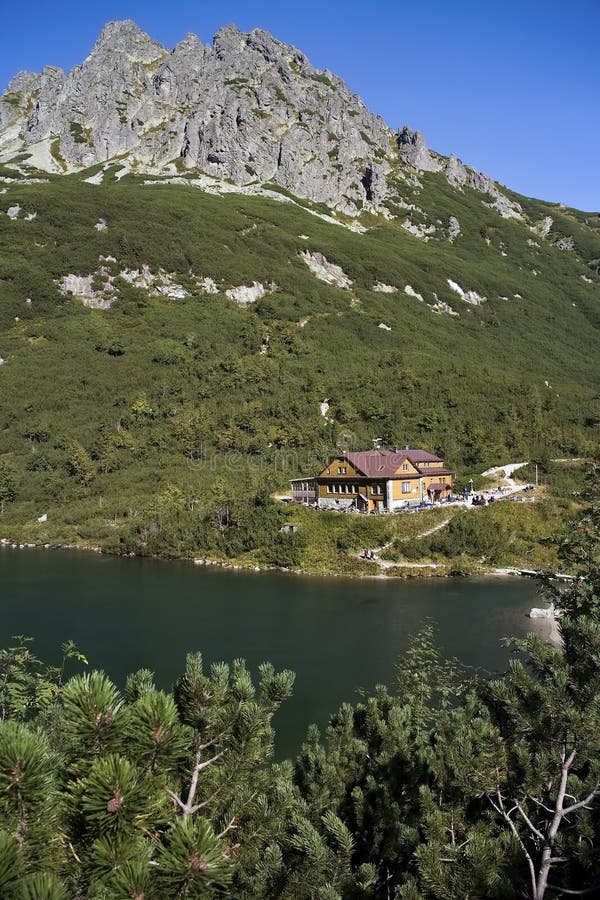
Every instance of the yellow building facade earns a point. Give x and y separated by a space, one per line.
377 480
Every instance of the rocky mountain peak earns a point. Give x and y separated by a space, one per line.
248 110
414 151
189 43
125 36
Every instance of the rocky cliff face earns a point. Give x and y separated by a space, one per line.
248 109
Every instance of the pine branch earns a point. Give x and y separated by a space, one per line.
528 822
593 889
229 827
500 809
581 804
189 808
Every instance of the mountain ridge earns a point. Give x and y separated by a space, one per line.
246 109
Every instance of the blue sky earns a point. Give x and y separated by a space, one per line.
511 87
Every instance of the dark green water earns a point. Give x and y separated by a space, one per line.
338 635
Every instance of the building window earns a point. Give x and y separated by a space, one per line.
405 467
330 489
406 488
342 470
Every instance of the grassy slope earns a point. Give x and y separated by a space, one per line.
104 414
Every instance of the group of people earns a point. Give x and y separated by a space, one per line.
367 554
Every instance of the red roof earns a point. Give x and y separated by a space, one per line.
385 463
439 487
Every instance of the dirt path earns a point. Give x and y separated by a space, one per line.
386 564
505 474
433 530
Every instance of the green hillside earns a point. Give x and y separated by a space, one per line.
164 424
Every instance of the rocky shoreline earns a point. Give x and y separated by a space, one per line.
425 570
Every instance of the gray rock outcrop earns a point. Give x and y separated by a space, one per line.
414 151
456 173
453 228
247 108
246 111
565 243
326 271
508 209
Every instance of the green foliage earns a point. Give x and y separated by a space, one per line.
8 484
10 864
170 795
475 536
115 797
151 732
27 685
57 155
42 886
91 703
145 380
191 864
321 79
80 464
80 134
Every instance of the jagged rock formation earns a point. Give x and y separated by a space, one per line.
414 151
248 110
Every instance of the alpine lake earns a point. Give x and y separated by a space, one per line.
338 635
